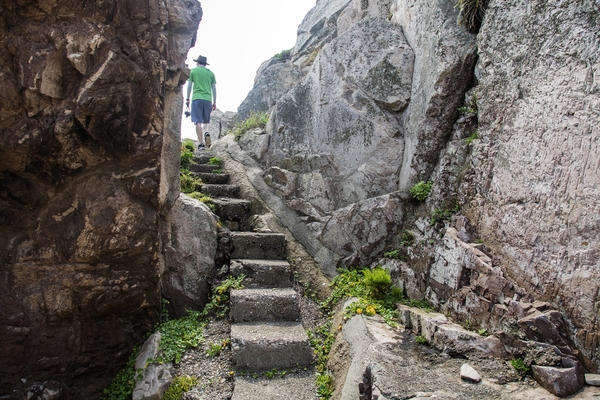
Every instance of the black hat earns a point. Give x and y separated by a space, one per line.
201 60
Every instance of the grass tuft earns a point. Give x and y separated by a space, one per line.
255 120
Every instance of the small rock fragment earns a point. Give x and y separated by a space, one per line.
467 373
592 379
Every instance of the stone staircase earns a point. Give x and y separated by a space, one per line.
266 332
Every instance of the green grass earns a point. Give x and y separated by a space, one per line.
440 214
204 199
219 302
519 365
420 339
215 161
255 120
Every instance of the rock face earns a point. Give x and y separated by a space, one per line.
89 143
535 195
377 110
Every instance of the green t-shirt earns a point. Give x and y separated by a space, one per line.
203 79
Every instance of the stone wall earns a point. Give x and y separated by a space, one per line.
89 145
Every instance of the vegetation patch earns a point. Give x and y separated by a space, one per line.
215 161
189 183
471 110
420 339
179 386
255 120
219 302
123 384
178 335
204 199
283 56
440 214
216 348
473 136
421 190
471 13
519 365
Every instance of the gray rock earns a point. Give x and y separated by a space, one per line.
190 248
468 373
156 377
560 381
524 174
273 80
592 379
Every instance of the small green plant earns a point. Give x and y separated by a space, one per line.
395 254
283 56
519 365
324 385
272 373
468 324
214 350
187 154
189 182
121 387
215 161
440 214
471 13
421 190
471 138
406 239
179 386
483 332
377 281
255 120
219 302
420 339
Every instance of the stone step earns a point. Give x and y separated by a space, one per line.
233 212
209 177
206 168
294 386
275 304
262 273
253 245
231 191
203 157
264 346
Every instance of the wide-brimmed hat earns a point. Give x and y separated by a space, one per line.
201 60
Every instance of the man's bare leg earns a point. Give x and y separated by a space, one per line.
200 133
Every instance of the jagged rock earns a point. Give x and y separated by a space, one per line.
190 249
156 377
560 381
534 188
89 149
357 87
220 123
468 373
317 29
273 80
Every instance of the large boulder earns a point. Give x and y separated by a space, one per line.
89 148
190 250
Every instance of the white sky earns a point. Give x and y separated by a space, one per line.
237 36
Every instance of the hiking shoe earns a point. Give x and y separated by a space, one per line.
201 146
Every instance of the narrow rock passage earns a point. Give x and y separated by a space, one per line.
267 336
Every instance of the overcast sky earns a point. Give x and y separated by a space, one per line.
237 36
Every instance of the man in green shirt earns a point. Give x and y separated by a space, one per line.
204 99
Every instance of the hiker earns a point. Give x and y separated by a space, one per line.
204 99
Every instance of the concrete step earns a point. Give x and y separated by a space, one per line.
264 346
209 177
276 304
253 245
293 386
233 212
231 191
263 273
207 168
